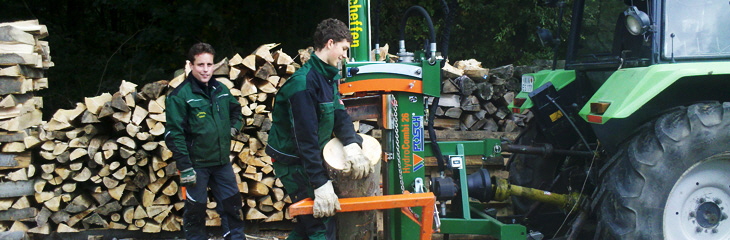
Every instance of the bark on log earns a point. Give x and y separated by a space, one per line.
362 224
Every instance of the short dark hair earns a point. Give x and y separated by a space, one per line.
330 29
199 48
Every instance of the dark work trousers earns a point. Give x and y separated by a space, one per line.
222 183
297 184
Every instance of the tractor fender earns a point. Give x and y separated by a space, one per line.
559 78
627 90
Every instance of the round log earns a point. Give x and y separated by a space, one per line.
362 224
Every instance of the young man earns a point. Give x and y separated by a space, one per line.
202 116
307 111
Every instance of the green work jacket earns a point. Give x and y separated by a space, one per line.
307 111
199 122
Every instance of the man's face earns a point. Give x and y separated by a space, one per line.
202 67
338 52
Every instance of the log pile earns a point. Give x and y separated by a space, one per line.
474 98
104 164
24 57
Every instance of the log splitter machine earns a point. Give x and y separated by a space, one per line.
397 95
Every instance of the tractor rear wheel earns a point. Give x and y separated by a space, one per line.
671 180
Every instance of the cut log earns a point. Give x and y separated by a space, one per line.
257 189
254 214
147 198
69 187
63 228
151 227
40 229
116 225
139 213
105 111
21 203
78 217
451 71
17 175
354 225
117 192
115 217
164 211
10 34
127 88
158 129
132 129
171 189
59 217
94 219
128 142
94 104
82 176
110 183
80 203
120 174
16 189
18 214
101 197
123 117
119 103
170 224
454 112
139 115
154 107
128 214
109 208
14 161
152 91
42 197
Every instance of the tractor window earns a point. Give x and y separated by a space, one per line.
696 29
598 30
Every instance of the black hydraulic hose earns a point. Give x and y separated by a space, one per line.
434 105
432 134
425 15
450 12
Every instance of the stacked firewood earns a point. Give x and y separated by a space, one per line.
105 164
24 57
476 98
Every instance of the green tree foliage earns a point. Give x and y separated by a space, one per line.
496 32
96 44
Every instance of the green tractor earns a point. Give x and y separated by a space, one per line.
646 89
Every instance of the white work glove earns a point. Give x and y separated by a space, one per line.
325 201
357 166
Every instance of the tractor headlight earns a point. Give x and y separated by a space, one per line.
637 22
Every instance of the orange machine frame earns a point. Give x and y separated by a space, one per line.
403 201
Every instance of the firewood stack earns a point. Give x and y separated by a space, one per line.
23 61
104 164
476 98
